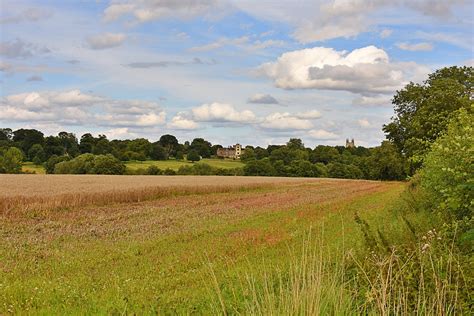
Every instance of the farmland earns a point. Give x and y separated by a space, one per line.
155 249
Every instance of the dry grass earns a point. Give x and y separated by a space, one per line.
46 192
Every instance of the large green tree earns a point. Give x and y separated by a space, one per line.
422 111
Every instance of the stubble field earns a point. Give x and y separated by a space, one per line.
164 244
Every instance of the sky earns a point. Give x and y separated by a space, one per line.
230 71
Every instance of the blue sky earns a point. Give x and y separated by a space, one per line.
230 71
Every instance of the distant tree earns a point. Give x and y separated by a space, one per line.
102 147
260 153
6 134
52 161
141 146
248 154
87 143
214 149
91 164
169 172
11 160
324 154
25 138
107 164
179 155
259 168
37 154
193 156
69 143
295 143
202 146
170 143
286 154
386 163
422 111
158 152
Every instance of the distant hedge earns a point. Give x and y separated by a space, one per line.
90 164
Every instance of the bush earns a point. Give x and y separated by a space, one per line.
52 161
90 164
259 168
193 156
154 171
11 160
448 170
169 172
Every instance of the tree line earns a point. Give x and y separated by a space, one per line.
422 113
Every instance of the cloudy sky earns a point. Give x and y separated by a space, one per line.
254 72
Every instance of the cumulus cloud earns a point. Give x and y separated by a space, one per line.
260 98
423 46
221 112
119 133
20 49
140 11
366 70
106 40
311 115
372 101
75 107
181 122
285 121
322 134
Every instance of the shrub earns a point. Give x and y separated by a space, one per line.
52 161
259 168
448 170
10 160
169 172
154 170
91 164
193 156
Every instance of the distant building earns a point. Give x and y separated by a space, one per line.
350 144
233 152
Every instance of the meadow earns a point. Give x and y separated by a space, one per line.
159 254
173 164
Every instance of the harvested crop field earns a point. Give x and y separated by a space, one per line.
151 254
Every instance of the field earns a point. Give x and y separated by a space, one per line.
152 244
162 164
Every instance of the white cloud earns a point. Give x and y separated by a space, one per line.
119 133
366 70
465 41
311 115
181 122
106 40
322 134
75 107
285 121
423 46
221 112
224 41
260 98
372 101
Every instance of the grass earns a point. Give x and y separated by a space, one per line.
175 164
30 167
160 255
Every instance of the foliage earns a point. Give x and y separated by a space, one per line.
193 156
448 172
259 168
91 164
52 161
422 111
10 160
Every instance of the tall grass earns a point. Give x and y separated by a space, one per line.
23 203
425 280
